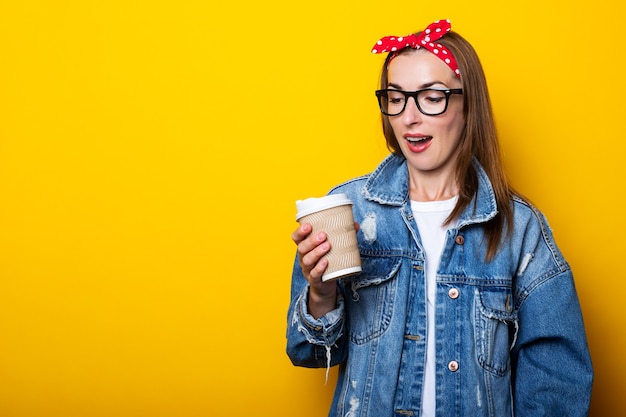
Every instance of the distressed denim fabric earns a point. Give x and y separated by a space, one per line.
510 339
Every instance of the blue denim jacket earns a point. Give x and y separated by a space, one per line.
509 335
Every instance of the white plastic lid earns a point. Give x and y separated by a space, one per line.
312 205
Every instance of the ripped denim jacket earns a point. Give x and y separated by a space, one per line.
510 339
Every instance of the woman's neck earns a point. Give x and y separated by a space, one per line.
432 187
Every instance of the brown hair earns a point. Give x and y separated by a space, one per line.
478 139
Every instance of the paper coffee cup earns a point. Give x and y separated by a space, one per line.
333 215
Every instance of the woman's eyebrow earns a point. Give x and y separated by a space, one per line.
423 86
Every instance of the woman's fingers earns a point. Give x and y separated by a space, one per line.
311 249
301 233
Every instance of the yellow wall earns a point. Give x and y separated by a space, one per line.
151 153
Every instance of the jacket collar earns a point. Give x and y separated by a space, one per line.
389 185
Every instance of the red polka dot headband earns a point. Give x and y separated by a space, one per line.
426 39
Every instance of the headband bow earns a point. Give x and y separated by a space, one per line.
425 39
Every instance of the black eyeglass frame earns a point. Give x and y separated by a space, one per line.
446 91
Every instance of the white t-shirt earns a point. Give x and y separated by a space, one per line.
430 216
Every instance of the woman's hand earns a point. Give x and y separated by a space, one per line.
311 249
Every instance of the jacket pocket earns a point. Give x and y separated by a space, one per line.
495 329
370 298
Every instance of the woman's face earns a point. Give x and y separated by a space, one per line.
429 143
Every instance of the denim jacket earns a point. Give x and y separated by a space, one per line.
510 339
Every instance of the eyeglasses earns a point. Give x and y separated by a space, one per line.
430 101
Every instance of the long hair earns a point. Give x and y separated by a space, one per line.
479 139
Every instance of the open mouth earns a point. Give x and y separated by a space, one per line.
419 144
416 141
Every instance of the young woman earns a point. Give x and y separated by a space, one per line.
465 306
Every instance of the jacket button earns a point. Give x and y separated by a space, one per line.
453 366
459 240
453 293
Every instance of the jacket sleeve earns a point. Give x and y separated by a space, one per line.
314 343
552 370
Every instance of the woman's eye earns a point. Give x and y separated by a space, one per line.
434 99
396 98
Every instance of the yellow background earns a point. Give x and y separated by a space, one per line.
151 153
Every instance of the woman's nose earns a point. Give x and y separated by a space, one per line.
411 113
